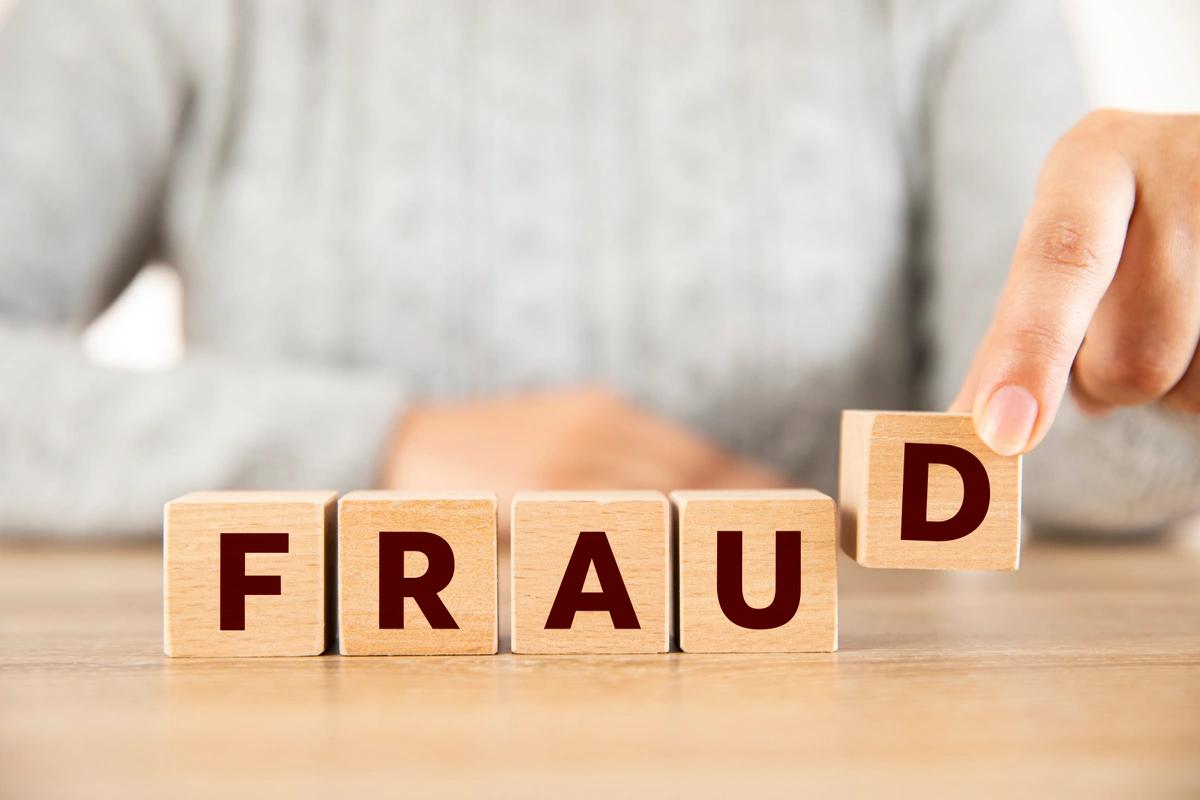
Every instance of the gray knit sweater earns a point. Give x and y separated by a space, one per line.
745 214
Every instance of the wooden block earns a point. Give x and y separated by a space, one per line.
922 491
757 571
417 573
244 573
591 572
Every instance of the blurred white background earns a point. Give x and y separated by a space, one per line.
1138 54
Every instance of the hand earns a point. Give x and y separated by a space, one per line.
1104 286
574 439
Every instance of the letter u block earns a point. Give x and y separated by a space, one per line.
417 573
922 491
757 571
244 573
591 572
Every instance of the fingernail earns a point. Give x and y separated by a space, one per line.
1008 420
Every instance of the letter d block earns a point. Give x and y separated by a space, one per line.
591 572
417 573
244 573
757 571
922 491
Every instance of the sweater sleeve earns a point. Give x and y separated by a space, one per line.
91 95
1001 88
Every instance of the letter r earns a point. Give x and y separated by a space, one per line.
395 585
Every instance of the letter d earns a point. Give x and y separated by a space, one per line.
915 524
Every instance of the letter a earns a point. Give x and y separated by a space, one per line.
592 548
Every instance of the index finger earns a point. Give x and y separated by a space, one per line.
1065 259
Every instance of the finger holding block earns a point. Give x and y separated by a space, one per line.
244 573
757 571
591 572
923 491
417 573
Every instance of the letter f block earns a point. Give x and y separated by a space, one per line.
922 491
417 573
757 571
245 573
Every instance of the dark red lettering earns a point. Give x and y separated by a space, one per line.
395 586
730 594
915 524
592 549
236 585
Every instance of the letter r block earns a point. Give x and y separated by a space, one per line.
417 573
922 491
245 573
591 572
757 571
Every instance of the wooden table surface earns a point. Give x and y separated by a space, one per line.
1077 676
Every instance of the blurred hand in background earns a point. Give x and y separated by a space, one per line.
584 438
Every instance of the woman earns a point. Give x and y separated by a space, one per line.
410 232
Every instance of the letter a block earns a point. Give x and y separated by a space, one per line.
417 573
244 573
922 491
591 572
757 571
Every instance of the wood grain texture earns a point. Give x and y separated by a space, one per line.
467 522
1080 672
290 624
545 529
758 515
870 490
